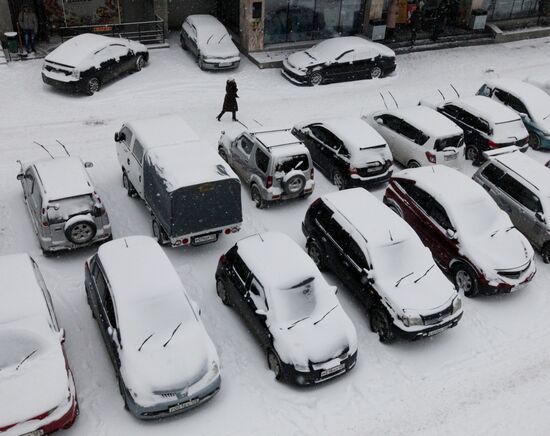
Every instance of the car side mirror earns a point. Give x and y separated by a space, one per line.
451 233
380 121
62 335
117 137
523 116
367 277
20 176
88 164
540 217
261 313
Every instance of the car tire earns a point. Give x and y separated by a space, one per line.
222 154
465 280
140 63
413 164
158 233
274 364
200 62
130 190
472 153
183 44
316 254
294 184
316 78
338 180
221 290
545 253
381 323
534 141
81 232
93 85
256 196
376 73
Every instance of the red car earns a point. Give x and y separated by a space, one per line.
37 391
469 236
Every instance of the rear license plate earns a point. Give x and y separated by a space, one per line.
332 370
450 157
183 406
437 331
39 432
205 239
225 64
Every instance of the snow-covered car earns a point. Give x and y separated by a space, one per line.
193 195
486 123
420 136
382 261
521 187
339 59
531 103
541 81
88 61
37 390
470 237
347 151
63 204
293 312
274 164
164 360
209 42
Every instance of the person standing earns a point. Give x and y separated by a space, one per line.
230 100
440 21
415 24
28 23
391 19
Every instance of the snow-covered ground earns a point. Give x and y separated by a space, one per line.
489 375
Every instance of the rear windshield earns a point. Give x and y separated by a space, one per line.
454 141
299 162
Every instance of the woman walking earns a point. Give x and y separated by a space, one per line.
230 100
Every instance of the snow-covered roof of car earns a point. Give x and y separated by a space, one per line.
63 177
161 131
20 293
528 169
356 134
190 164
281 142
138 269
428 120
334 47
206 25
374 221
276 260
489 109
535 99
539 80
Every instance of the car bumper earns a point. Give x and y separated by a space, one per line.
54 244
369 181
220 65
295 78
431 330
71 86
492 287
313 377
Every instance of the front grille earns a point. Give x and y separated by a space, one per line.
341 355
437 317
514 274
381 168
57 70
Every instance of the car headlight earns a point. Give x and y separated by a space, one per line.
76 74
457 304
301 367
411 320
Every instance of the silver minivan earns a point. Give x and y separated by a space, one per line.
521 187
64 207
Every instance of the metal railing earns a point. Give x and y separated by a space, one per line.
146 32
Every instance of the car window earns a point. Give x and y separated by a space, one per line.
517 105
262 160
245 145
117 51
390 121
344 151
100 283
323 215
520 193
29 181
110 309
36 194
326 137
257 295
241 269
336 232
412 133
356 254
501 95
138 151
453 142
418 195
439 215
493 174
289 163
127 135
453 111
347 56
46 294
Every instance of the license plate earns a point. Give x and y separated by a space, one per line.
39 432
450 157
225 64
183 406
197 240
332 370
436 331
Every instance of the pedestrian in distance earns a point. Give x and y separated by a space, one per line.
230 100
415 24
440 21
28 24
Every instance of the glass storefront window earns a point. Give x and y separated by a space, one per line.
303 20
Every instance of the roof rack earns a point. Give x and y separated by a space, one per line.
255 135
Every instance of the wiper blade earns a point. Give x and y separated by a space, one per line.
424 275
25 359
209 38
143 343
173 333
401 279
324 316
509 228
310 55
505 231
296 322
222 38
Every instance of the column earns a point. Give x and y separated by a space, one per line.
252 13
161 10
5 17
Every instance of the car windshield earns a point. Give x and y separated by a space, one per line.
299 162
18 348
451 142
479 217
296 303
62 210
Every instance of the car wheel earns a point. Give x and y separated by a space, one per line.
159 233
81 232
534 141
472 153
140 63
315 251
338 180
376 73
294 184
131 191
413 164
222 154
465 280
92 85
257 197
316 78
395 208
545 253
222 292
274 364
201 63
381 323
182 42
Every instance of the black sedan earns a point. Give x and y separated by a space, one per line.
339 59
86 62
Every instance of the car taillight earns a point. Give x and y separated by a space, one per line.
184 241
45 221
352 169
222 258
269 182
227 231
492 144
431 157
311 173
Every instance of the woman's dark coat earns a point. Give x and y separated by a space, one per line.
230 101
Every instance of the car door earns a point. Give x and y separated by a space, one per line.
123 57
443 243
192 41
241 150
136 163
238 279
341 67
124 150
390 128
31 192
363 64
410 143
257 302
339 239
328 144
105 64
355 262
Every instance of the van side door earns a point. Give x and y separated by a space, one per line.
136 159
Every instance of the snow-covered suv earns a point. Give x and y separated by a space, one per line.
63 204
273 163
380 258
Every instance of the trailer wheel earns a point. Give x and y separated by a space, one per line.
159 233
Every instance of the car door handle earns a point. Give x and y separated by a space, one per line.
128 161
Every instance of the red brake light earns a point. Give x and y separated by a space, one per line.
269 182
222 258
492 144
185 241
227 231
352 169
431 157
